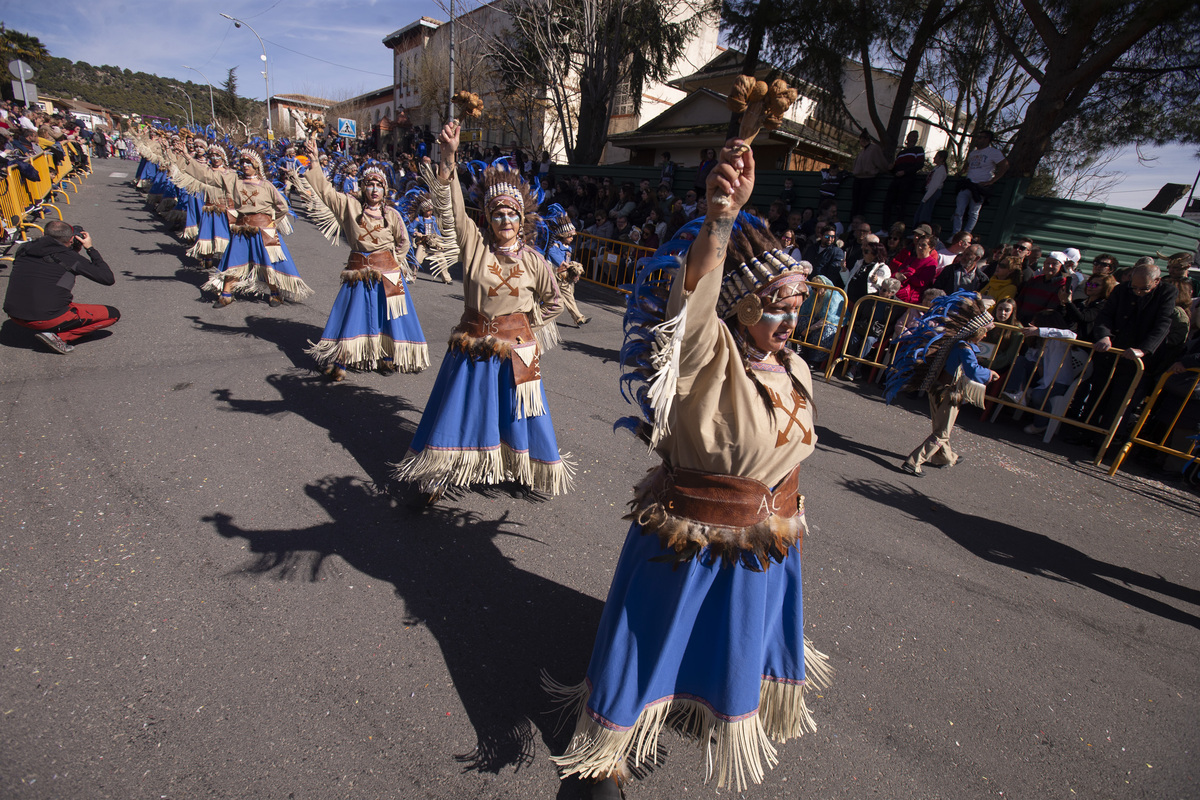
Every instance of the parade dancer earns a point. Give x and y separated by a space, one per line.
486 420
213 236
256 261
373 323
938 355
703 627
567 271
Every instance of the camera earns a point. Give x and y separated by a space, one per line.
77 243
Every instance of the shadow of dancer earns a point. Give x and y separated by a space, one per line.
1034 553
497 625
367 423
291 337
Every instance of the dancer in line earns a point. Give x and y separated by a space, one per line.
373 323
939 355
487 420
704 623
256 261
567 271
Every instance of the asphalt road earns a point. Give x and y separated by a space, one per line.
210 589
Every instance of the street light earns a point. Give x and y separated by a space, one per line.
237 23
212 107
191 111
181 108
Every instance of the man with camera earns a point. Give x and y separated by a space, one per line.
43 275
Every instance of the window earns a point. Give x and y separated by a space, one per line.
623 103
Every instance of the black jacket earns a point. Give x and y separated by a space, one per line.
43 276
1138 322
953 278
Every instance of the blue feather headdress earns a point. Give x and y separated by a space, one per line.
922 351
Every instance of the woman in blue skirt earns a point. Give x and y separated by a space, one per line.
213 236
487 419
373 323
257 261
703 629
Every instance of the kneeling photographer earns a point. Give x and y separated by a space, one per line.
43 277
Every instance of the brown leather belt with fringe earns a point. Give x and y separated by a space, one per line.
505 336
251 224
216 208
371 267
733 516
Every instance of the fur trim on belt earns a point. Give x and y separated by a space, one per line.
479 348
369 275
754 546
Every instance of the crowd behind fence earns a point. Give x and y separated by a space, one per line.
1069 384
24 199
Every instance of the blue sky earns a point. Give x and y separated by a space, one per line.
347 35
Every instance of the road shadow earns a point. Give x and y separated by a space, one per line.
195 277
498 626
370 425
829 440
1034 553
605 354
291 337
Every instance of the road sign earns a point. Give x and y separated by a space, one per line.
347 128
20 70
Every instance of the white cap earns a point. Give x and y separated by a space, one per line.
1072 254
1059 256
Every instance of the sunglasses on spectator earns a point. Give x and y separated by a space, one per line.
1021 248
1100 263
1093 284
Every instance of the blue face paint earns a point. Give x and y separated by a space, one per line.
791 317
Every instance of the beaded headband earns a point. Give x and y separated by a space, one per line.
374 171
504 193
772 274
255 157
563 226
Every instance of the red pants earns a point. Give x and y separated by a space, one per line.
79 321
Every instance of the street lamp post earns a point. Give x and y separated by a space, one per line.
191 110
177 105
237 23
212 106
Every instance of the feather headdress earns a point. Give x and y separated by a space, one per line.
922 351
503 185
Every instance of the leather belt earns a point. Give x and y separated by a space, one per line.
726 500
507 336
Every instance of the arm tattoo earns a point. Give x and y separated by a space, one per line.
719 231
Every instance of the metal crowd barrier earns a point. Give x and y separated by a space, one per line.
607 261
1054 407
1161 443
22 199
860 352
807 336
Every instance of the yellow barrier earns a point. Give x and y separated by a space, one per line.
859 351
812 333
1161 444
1054 404
607 261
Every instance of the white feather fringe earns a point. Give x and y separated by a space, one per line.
435 470
668 343
736 750
366 352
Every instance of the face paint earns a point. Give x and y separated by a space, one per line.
500 217
791 317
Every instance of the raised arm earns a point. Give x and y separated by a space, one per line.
729 186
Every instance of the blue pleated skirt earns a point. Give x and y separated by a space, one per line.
247 259
358 333
702 631
471 432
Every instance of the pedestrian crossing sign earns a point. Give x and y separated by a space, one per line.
347 128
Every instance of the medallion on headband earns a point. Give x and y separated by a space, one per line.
769 276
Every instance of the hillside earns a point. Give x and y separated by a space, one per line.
125 92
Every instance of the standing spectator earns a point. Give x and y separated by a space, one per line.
832 178
1136 318
39 293
871 162
985 165
1082 315
934 182
963 273
825 255
667 173
1042 292
948 253
905 174
917 270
